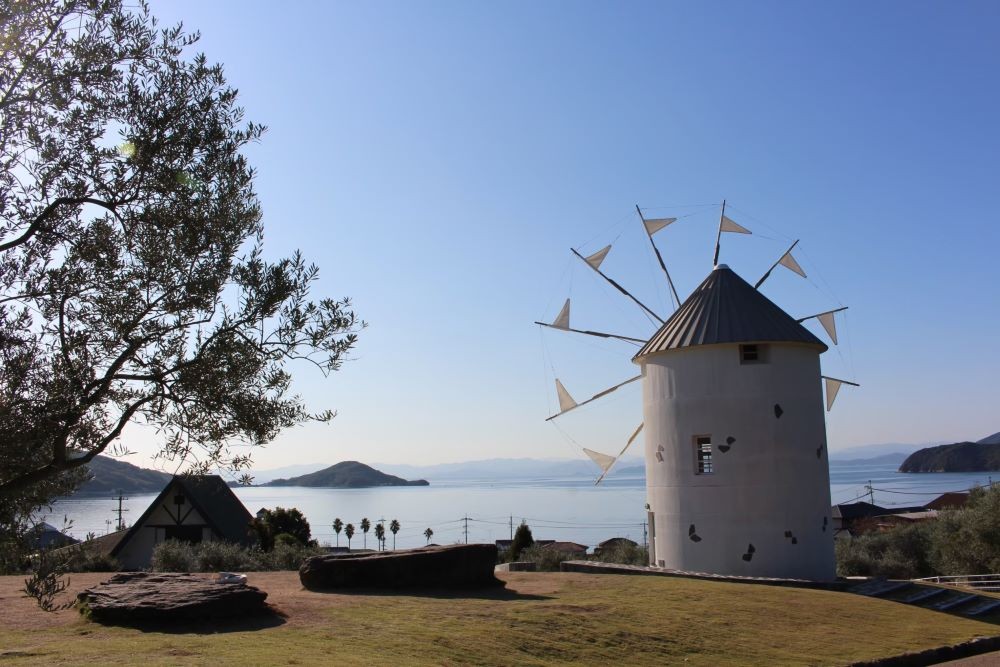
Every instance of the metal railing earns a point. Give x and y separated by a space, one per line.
979 582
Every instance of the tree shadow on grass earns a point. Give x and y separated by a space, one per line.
270 618
499 593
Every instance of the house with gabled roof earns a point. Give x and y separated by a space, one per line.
190 508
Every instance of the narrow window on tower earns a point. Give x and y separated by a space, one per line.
703 454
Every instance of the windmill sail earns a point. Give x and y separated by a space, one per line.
833 387
603 460
730 225
628 444
830 324
597 258
828 321
566 401
570 404
789 262
654 225
562 320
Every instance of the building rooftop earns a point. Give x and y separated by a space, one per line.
727 309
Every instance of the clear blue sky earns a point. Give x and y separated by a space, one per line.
438 159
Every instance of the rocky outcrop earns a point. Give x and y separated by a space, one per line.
455 566
132 598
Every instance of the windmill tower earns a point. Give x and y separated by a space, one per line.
737 474
737 480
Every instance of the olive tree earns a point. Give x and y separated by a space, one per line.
134 285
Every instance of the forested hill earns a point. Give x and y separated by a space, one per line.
960 457
347 475
108 475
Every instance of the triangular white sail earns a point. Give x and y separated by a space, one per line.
789 262
832 387
598 257
562 320
654 225
635 434
830 324
729 225
603 460
566 401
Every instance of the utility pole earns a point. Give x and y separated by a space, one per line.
871 492
511 527
107 526
644 546
466 528
120 511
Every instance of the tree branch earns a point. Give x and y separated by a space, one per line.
38 222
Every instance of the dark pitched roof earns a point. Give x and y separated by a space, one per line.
212 498
727 309
859 510
948 500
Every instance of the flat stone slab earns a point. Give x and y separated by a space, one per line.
131 598
454 566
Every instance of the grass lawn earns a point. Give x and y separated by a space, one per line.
538 619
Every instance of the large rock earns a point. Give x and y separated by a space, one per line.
456 566
141 597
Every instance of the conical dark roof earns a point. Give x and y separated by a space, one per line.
727 309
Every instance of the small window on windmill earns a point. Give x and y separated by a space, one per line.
703 454
753 354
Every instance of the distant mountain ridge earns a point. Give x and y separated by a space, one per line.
108 475
958 457
347 475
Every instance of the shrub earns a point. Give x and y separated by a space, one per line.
289 556
174 556
899 553
225 557
522 540
626 554
547 560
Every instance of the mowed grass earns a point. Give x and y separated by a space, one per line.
538 619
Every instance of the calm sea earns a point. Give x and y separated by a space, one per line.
570 508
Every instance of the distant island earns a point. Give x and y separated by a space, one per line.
347 475
959 457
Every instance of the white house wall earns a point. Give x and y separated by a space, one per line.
138 552
770 487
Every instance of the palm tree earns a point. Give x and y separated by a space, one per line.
365 525
427 534
349 532
380 534
394 527
338 525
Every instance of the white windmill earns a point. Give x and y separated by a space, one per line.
737 477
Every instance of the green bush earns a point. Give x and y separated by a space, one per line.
899 553
626 554
174 556
288 556
522 540
225 557
547 560
959 541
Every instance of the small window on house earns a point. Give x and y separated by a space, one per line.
703 454
753 354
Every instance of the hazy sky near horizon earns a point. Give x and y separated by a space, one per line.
438 159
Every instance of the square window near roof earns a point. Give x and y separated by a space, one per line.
753 354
